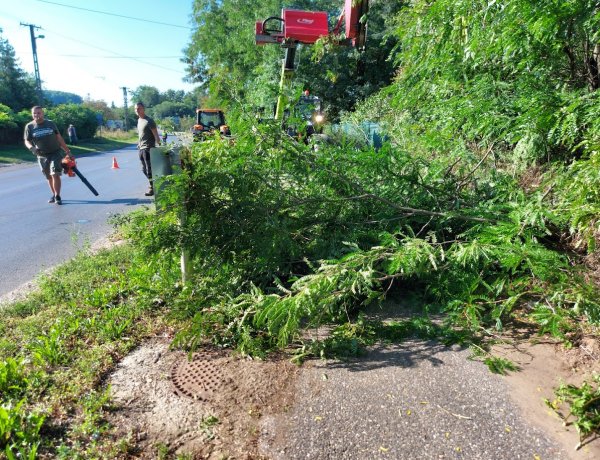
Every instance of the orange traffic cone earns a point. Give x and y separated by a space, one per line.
115 165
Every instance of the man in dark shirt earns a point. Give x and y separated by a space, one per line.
72 132
42 137
148 138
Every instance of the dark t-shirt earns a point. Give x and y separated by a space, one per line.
43 136
146 138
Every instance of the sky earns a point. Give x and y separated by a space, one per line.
94 48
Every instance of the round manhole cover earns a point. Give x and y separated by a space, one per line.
198 378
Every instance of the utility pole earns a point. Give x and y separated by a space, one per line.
36 67
125 106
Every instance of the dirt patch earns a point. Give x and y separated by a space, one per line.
229 418
544 365
157 416
592 262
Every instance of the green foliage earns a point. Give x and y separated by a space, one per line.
207 426
58 343
224 58
578 197
82 117
584 406
49 349
342 75
551 320
490 172
498 365
222 52
19 430
12 379
495 364
148 95
17 88
311 237
115 322
172 109
509 72
350 339
332 292
11 124
6 118
94 405
418 327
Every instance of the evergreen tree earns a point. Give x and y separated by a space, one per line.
17 89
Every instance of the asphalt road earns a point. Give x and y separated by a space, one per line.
35 235
418 400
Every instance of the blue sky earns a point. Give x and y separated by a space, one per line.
93 54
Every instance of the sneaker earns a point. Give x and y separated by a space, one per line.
58 200
150 192
52 199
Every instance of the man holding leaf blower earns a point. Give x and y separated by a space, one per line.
42 137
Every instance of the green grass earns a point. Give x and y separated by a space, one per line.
58 343
17 153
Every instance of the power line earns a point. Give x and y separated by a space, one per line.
113 52
114 14
114 57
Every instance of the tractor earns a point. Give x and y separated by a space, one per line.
207 122
305 118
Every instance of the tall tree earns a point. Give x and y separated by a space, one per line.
148 95
222 55
17 89
172 109
172 95
101 107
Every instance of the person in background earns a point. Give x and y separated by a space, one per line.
72 135
164 137
148 138
42 137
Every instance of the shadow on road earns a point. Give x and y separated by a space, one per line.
408 354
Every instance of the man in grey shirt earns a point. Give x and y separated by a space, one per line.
148 138
42 137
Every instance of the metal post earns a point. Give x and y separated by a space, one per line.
125 106
287 72
36 67
183 158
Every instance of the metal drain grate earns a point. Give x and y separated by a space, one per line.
199 378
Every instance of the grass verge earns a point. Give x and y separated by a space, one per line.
58 343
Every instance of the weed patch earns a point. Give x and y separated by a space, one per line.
60 341
583 406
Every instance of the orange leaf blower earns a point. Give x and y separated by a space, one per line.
70 169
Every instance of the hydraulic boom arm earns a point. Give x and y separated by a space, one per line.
307 27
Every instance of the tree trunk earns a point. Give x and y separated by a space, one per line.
593 75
